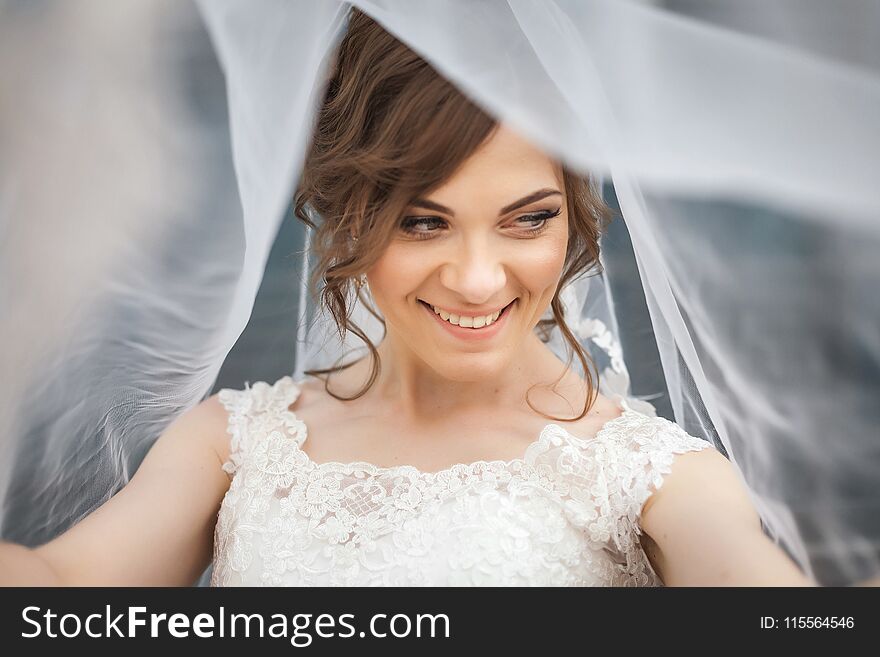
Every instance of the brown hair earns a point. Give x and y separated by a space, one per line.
390 130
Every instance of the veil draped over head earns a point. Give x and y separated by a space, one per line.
149 151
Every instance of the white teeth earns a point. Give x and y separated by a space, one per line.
468 322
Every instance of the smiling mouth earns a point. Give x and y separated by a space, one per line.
500 315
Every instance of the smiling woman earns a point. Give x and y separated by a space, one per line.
394 139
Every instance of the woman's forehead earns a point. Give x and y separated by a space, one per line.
504 168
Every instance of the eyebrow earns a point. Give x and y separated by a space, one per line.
525 200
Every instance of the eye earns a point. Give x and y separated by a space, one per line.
409 224
542 217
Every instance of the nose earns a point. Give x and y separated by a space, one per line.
476 275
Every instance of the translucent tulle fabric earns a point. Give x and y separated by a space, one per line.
140 199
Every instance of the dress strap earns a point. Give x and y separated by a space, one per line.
646 449
256 410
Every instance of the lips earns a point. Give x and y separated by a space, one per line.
431 308
471 335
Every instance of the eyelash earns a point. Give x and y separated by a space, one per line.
546 216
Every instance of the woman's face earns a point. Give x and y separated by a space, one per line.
492 237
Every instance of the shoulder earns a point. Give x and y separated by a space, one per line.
249 412
696 480
617 463
705 507
206 423
199 430
207 418
669 484
653 438
259 397
652 454
633 435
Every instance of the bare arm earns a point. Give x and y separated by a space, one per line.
706 532
156 531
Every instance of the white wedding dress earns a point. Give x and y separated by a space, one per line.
565 514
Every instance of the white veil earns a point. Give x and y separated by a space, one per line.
740 140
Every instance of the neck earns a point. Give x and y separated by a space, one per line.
416 392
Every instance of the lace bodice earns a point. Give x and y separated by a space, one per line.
565 514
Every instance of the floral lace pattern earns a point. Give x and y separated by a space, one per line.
565 514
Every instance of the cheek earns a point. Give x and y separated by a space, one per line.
396 272
541 266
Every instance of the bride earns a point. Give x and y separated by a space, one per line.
461 450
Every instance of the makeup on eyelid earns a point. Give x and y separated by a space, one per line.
545 216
